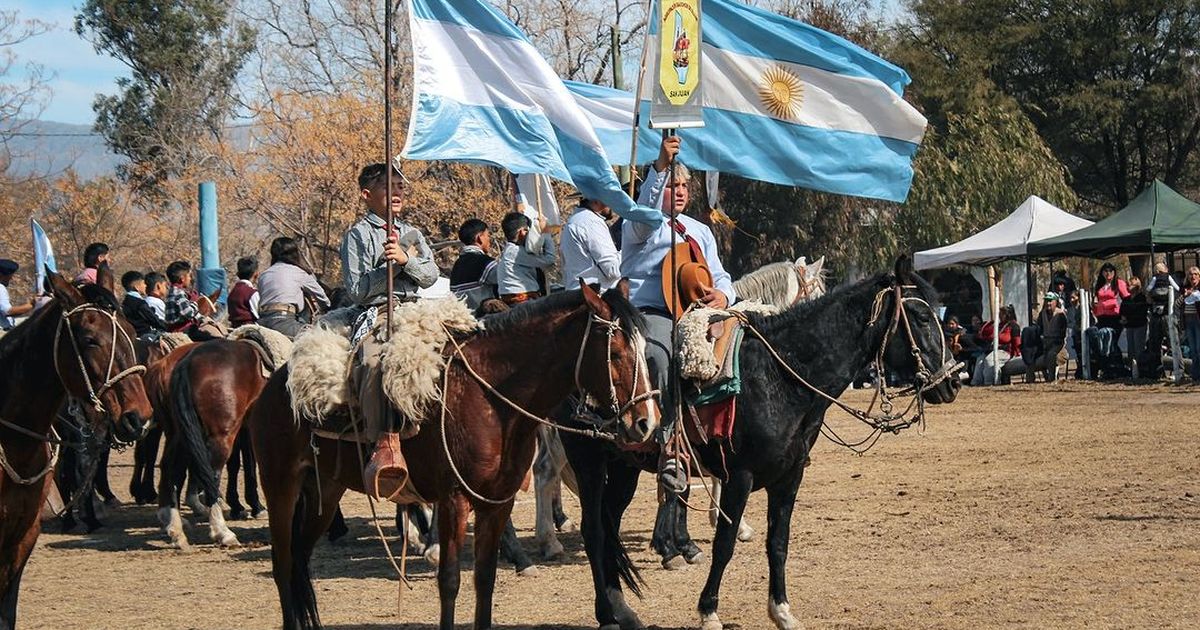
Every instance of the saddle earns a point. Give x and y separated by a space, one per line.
711 369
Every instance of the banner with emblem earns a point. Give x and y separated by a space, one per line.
676 36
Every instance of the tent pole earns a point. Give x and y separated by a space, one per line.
994 298
1085 322
1030 292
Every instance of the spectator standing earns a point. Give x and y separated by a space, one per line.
1191 318
93 255
243 297
1110 290
1135 314
1159 293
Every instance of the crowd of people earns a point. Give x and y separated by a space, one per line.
1125 314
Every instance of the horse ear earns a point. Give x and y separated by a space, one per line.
104 277
817 266
904 269
623 287
594 301
64 291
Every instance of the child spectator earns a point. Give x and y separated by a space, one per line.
474 276
243 297
93 255
522 276
156 293
182 311
135 307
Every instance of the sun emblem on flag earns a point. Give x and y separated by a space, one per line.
781 92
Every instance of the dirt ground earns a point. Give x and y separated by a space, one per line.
1048 506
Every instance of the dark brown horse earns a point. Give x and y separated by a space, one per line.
212 384
475 456
80 345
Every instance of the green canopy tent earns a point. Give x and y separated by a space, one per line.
1158 220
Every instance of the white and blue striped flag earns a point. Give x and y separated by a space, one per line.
483 94
43 255
784 102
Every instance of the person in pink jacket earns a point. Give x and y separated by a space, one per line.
1110 290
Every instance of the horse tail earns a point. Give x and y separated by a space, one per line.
187 423
626 570
303 614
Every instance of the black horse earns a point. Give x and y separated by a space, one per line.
891 318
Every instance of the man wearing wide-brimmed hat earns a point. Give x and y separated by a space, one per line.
646 260
7 310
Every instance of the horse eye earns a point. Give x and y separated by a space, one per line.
91 342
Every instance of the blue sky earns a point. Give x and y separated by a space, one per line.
78 73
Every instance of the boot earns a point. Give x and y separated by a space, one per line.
386 473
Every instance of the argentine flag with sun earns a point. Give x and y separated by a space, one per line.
790 104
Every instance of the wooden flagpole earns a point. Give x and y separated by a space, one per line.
637 102
387 150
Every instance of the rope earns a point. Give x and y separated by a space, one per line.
51 460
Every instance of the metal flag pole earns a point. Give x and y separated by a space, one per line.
387 151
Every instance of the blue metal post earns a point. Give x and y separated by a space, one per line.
210 276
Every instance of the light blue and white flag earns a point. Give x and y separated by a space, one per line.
483 93
43 254
784 103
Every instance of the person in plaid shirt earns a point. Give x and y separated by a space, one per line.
182 311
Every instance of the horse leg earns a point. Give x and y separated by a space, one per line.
170 480
781 498
311 519
733 503
683 539
591 474
337 525
67 472
491 523
512 551
100 479
20 554
452 531
219 451
250 465
621 486
745 532
145 456
425 516
546 484
663 540
233 465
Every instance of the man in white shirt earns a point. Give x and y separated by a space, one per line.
588 251
520 274
7 311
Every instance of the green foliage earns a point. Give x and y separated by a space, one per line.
184 56
1111 85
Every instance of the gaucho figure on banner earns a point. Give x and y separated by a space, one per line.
676 98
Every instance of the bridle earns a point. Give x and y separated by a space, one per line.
885 420
110 379
614 408
94 394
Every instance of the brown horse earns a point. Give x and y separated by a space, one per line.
79 345
472 456
145 453
211 386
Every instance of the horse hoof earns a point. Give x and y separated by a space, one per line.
238 515
695 558
228 539
711 622
781 614
675 563
568 527
552 550
529 571
745 532
258 512
432 554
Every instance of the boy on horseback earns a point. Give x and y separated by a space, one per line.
366 249
644 252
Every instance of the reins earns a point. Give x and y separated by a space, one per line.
885 421
611 327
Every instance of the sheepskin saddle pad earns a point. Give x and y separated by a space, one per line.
273 347
705 337
411 360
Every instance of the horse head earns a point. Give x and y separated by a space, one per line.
612 369
95 358
916 349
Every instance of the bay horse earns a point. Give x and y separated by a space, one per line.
79 345
890 319
212 384
476 446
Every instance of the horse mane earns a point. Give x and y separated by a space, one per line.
846 296
632 321
768 284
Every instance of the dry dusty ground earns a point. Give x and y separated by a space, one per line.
1062 506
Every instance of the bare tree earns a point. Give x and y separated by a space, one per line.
22 99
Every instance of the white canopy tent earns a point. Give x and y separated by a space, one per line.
1033 220
1006 241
